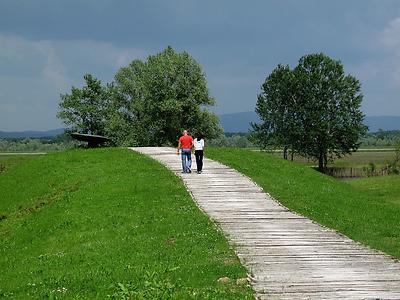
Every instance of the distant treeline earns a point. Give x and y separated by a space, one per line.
381 139
57 143
371 140
229 139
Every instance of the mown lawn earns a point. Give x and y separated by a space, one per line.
367 211
108 223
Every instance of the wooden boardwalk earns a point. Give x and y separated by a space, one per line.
287 256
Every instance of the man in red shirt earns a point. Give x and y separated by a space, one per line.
186 144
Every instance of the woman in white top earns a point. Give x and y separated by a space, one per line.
198 144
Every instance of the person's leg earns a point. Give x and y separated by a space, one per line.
186 163
189 162
183 158
201 154
197 155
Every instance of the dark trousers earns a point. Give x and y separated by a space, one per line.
199 159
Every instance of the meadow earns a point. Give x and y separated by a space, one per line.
107 223
379 157
361 158
366 210
360 164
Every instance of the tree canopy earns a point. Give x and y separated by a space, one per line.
150 102
85 110
313 110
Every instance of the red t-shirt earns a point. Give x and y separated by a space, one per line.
186 141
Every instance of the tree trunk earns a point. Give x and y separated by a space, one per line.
321 162
285 152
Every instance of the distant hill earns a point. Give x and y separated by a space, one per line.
240 122
383 122
30 134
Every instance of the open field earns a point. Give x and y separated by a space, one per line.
355 209
363 163
108 222
379 157
361 158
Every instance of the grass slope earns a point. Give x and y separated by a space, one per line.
108 222
365 212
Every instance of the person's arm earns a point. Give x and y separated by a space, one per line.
192 144
179 146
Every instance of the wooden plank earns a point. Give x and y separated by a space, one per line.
287 255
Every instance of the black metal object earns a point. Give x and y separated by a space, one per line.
93 141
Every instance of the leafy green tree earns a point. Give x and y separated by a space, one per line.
332 121
278 109
314 109
154 100
84 110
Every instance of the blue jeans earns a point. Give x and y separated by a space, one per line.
186 159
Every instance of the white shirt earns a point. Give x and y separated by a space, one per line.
198 145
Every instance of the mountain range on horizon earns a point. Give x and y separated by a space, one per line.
31 134
234 122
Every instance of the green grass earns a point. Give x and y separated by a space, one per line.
108 222
383 189
363 158
358 159
9 161
365 212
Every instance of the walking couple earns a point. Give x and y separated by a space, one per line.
186 143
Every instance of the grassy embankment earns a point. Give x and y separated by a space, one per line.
108 222
9 161
366 210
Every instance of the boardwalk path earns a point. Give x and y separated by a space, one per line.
287 255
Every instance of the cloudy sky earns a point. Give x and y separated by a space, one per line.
47 46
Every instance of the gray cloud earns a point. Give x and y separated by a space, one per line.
46 46
33 74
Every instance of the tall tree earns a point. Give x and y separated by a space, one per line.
84 110
331 116
314 109
159 97
277 107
